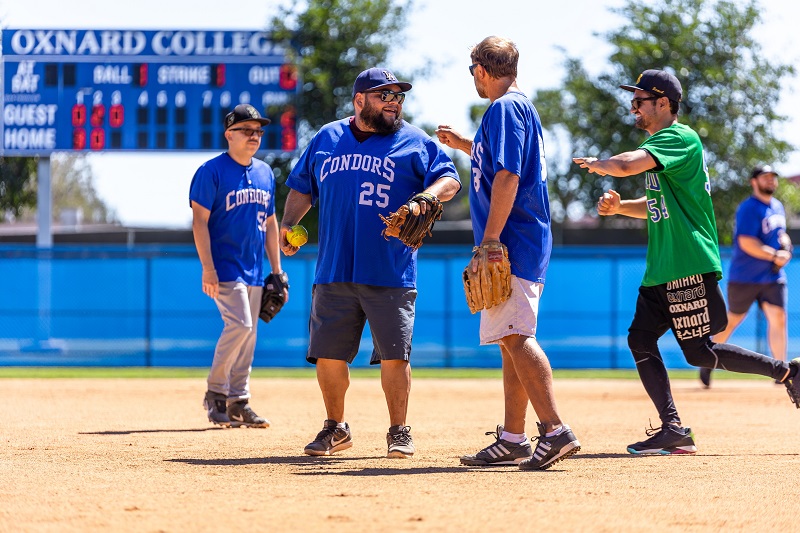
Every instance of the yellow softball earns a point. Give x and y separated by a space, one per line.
297 236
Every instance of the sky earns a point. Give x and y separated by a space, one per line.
152 190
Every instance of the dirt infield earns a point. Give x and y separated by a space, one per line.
138 455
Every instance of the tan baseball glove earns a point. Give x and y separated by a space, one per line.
409 223
490 285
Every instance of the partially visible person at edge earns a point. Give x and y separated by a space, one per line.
680 288
509 203
233 220
761 248
356 169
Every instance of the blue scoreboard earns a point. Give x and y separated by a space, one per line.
125 90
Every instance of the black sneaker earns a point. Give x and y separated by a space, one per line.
214 403
666 440
793 384
501 453
401 445
705 377
241 414
551 450
330 440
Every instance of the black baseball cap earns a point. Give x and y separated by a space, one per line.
243 112
762 169
659 83
375 78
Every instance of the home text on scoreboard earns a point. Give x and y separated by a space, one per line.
92 90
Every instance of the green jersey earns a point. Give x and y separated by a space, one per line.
682 231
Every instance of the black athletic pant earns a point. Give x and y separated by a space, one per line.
693 308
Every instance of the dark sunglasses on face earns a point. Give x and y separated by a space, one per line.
249 132
472 69
636 102
390 96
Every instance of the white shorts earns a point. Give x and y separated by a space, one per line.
515 316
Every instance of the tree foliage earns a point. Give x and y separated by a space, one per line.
730 95
332 41
73 190
17 186
71 185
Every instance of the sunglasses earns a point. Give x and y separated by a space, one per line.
390 96
636 102
248 132
472 69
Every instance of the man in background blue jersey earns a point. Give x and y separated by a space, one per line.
509 203
233 206
356 169
761 248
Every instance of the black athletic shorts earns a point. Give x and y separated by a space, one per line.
742 295
692 307
340 310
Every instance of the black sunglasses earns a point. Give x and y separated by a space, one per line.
472 69
248 132
636 102
390 96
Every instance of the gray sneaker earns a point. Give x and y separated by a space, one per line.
401 445
330 440
214 403
241 414
501 453
550 450
793 384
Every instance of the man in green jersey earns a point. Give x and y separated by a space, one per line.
679 290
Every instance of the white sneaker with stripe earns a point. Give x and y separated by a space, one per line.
501 453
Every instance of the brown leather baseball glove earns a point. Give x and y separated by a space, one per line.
409 223
490 284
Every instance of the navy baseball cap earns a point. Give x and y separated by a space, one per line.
243 112
659 83
375 78
762 169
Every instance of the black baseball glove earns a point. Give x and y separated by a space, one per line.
409 223
273 298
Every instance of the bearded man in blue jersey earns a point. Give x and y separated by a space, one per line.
509 204
355 170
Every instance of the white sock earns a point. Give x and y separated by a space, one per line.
516 438
555 432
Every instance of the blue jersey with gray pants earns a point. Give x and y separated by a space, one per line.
239 305
240 199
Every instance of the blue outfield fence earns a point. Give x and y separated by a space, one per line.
142 306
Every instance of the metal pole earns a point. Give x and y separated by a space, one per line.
148 312
613 315
44 204
448 317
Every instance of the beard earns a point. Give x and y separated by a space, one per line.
374 119
769 190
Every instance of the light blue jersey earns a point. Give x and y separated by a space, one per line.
240 200
353 182
510 138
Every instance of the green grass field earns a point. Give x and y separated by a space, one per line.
12 372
